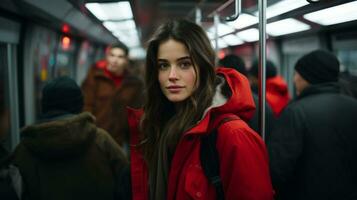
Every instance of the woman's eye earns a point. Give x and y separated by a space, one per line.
163 66
185 65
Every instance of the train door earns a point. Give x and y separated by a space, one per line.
9 111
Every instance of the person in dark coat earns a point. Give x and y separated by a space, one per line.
65 155
277 94
313 146
237 63
10 178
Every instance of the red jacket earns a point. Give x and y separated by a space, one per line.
243 158
277 94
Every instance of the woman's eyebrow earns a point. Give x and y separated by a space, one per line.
179 59
161 60
184 58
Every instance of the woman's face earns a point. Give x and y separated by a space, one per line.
177 75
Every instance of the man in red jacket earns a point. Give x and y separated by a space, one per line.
277 94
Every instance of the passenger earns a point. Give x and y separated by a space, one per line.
277 94
183 103
109 88
10 178
66 156
237 63
313 148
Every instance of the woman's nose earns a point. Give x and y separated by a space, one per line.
173 74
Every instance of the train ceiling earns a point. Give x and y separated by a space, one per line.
146 15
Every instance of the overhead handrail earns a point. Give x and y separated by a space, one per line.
237 10
313 1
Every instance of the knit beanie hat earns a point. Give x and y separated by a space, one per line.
271 70
318 67
62 94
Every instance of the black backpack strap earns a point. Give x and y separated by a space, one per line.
210 159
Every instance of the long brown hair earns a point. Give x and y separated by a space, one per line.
160 116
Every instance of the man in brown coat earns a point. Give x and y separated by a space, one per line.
109 88
65 156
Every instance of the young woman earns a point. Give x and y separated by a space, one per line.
186 99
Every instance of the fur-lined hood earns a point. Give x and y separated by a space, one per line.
240 100
63 138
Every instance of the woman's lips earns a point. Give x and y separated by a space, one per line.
174 89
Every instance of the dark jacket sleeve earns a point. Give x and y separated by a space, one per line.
123 186
10 180
270 118
119 163
285 145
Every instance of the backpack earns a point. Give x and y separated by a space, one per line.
209 157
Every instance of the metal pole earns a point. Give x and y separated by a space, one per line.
262 4
198 17
216 23
14 106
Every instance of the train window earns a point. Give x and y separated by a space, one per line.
48 58
9 31
45 59
345 48
85 58
40 59
348 59
65 57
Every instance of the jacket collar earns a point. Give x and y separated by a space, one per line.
330 87
64 137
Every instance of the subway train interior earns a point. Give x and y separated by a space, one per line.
44 39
